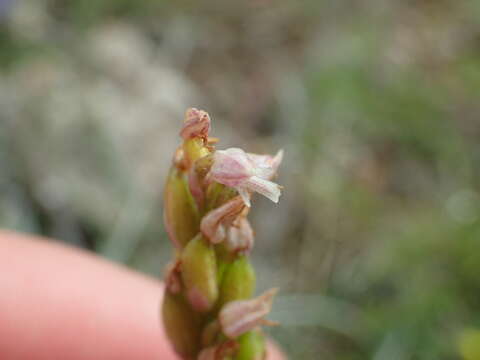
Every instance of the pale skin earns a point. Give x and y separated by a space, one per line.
57 302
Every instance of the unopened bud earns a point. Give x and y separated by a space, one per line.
180 213
238 282
193 150
182 325
238 317
199 274
251 346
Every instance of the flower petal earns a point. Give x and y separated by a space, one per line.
238 317
266 166
245 195
231 167
213 224
264 187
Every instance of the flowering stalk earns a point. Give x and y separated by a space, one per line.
208 310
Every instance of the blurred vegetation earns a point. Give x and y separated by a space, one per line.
376 240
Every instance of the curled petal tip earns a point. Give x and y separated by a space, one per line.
197 124
277 159
264 187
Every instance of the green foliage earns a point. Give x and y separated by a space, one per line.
376 105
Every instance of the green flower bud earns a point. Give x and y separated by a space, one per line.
199 274
252 346
238 281
180 214
182 325
194 149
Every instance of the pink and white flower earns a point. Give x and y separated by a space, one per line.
247 173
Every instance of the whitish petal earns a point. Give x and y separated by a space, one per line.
266 166
245 195
264 187
231 167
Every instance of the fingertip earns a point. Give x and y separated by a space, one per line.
274 352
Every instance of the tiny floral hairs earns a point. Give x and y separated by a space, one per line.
209 310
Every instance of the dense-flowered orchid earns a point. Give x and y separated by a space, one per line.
247 172
207 310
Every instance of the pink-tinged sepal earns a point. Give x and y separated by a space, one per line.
231 167
213 225
238 317
267 165
246 172
197 124
240 236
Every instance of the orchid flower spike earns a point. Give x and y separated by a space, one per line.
247 172
197 124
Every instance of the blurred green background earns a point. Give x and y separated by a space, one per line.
375 243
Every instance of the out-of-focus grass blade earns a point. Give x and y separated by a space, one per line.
318 310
